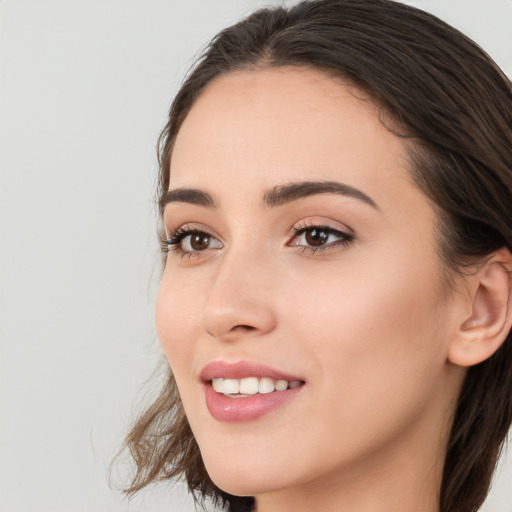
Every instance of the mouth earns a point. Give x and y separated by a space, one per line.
246 390
249 386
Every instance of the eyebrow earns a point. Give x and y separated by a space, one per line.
283 194
276 196
186 195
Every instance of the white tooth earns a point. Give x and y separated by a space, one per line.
249 386
266 385
281 385
218 385
294 384
231 387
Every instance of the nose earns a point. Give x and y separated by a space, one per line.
241 300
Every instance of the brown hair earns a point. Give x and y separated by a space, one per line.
453 106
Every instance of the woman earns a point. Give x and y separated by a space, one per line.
336 197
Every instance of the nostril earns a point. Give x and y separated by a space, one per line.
238 330
243 327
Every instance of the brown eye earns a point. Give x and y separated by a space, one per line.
320 237
196 241
316 237
199 241
190 241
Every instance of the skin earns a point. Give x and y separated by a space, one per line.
368 324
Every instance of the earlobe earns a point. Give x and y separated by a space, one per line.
484 330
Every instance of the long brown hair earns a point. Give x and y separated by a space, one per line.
452 104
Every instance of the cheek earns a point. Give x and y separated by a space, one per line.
375 340
176 320
360 307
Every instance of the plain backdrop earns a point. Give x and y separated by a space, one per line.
85 86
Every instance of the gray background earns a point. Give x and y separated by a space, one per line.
84 90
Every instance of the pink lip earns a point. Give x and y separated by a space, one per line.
233 409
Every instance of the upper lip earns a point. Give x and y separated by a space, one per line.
242 369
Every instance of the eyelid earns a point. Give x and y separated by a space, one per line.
316 221
345 236
175 238
191 226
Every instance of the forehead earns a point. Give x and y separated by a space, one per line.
258 128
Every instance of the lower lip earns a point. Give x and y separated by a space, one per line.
249 408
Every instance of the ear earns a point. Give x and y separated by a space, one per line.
488 315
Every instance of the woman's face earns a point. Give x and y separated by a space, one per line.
301 251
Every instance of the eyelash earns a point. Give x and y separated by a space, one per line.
345 238
173 241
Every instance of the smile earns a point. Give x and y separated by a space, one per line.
241 391
241 388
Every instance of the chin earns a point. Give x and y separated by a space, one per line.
245 487
244 478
